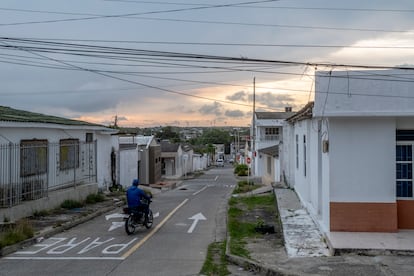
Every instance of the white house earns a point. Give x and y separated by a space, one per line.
171 160
267 135
200 162
351 151
140 157
46 159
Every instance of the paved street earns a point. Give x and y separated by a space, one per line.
188 219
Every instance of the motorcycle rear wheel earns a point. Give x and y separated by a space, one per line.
130 225
148 221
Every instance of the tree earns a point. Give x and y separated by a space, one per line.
214 136
167 133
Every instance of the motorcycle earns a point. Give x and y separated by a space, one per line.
136 219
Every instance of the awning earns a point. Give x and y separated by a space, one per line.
272 151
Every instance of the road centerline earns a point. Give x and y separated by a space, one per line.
141 242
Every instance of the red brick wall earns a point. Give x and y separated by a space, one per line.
405 214
363 217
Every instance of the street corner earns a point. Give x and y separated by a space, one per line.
163 185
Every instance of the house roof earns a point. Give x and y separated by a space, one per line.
273 151
273 115
8 114
166 146
305 113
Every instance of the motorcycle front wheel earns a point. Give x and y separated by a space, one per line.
129 225
149 220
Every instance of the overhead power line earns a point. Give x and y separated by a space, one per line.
274 7
129 16
139 13
84 48
67 65
218 43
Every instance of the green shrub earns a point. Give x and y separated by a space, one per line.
245 186
94 198
71 204
241 170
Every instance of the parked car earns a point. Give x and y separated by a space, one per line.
220 163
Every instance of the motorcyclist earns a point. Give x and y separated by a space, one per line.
134 199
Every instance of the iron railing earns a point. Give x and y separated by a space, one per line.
31 169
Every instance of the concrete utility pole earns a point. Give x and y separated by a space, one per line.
253 127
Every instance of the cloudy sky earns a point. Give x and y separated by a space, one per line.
188 62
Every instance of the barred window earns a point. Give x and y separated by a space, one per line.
69 154
33 157
271 131
89 137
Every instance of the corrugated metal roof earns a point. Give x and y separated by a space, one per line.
305 113
8 114
273 115
168 147
273 151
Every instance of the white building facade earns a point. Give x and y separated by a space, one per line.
267 134
46 159
351 151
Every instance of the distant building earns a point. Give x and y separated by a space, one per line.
140 157
264 146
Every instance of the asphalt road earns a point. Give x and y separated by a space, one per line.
187 220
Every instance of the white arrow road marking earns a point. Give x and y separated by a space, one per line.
196 218
115 225
115 215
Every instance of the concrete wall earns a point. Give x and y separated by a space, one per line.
363 93
128 166
54 200
15 132
105 144
362 159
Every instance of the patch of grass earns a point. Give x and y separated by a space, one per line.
240 230
71 204
245 186
94 198
262 201
20 232
42 213
215 263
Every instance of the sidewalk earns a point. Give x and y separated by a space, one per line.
303 238
309 252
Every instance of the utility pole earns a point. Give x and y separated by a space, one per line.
253 127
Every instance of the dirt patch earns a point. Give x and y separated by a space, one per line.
263 248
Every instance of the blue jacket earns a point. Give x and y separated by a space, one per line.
134 195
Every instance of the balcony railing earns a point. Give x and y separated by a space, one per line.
268 138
